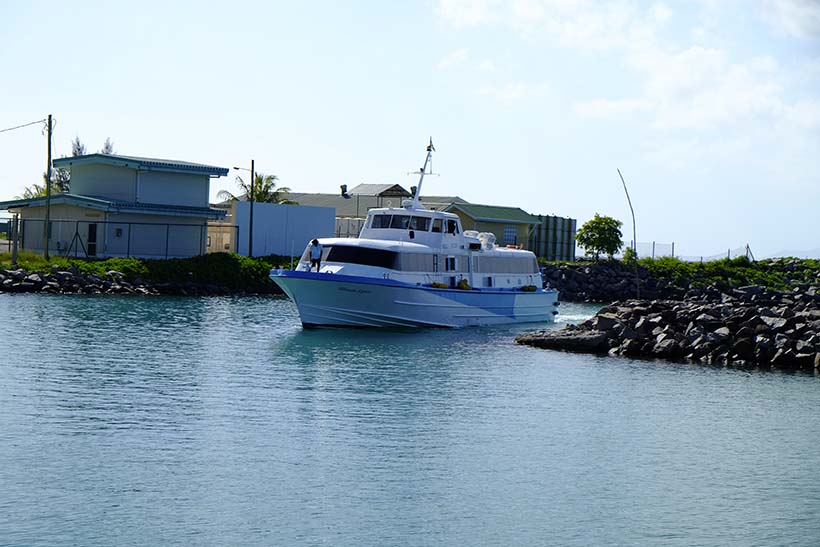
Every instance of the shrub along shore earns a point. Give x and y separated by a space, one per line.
211 274
731 312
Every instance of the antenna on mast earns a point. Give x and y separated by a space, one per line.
428 160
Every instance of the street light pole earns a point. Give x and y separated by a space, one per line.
634 238
251 197
48 191
250 228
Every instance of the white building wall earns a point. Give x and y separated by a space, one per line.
106 181
172 188
146 237
282 229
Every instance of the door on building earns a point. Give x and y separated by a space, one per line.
92 239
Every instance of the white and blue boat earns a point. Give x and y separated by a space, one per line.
414 267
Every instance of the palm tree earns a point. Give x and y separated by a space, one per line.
33 191
264 190
39 190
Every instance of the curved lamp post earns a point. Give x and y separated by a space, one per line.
250 222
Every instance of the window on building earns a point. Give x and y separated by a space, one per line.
510 234
209 241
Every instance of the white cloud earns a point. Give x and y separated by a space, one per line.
454 58
606 108
571 23
690 87
798 18
464 13
698 88
514 92
486 66
805 113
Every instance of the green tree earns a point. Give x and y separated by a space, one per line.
62 177
630 257
108 147
264 190
602 234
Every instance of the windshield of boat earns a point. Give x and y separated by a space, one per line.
401 222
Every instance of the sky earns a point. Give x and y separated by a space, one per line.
709 108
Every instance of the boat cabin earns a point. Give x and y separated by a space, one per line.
432 228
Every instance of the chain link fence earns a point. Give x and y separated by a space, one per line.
654 249
105 239
5 234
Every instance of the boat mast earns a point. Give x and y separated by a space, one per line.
422 172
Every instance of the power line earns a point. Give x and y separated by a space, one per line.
21 126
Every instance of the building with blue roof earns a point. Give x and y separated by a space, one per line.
124 206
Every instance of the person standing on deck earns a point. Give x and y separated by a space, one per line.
315 254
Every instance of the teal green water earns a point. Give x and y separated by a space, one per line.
219 421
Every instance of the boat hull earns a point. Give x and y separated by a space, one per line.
331 300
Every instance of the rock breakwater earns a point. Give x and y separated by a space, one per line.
610 281
747 326
71 281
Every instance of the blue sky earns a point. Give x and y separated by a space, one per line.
711 109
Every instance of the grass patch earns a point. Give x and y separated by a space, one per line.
224 269
782 273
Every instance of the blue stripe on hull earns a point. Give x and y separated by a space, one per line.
340 300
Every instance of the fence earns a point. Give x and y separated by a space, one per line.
730 253
5 234
653 249
105 239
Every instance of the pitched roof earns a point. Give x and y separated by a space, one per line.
440 203
143 164
494 213
379 190
116 206
356 207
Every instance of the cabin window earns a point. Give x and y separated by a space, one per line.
118 233
452 227
450 264
360 255
415 262
420 224
437 225
488 281
510 234
400 222
507 265
380 221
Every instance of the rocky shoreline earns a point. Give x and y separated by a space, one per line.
71 281
610 281
745 327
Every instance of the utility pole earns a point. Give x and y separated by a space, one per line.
250 228
48 192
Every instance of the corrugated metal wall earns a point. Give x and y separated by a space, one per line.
554 238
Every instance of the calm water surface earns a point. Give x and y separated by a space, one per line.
219 421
